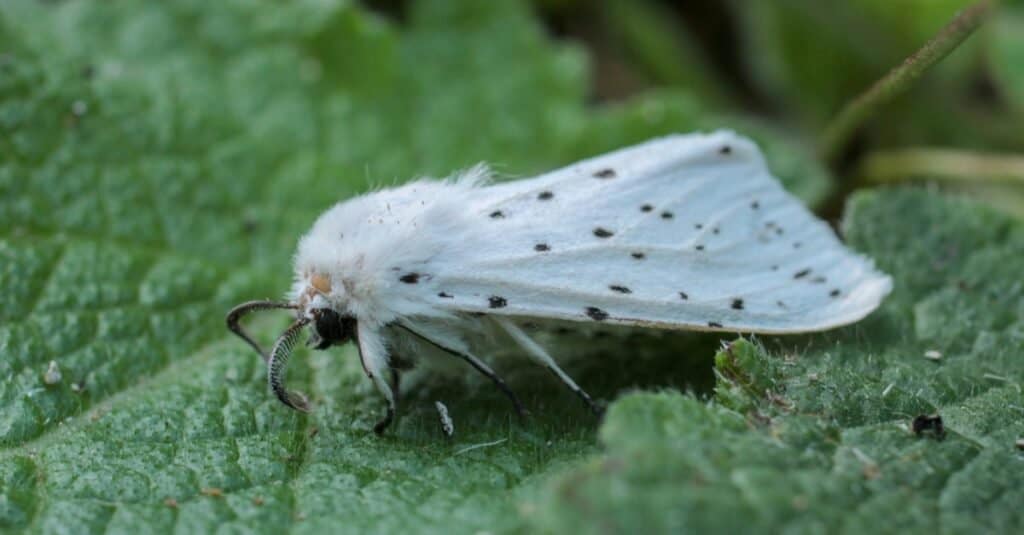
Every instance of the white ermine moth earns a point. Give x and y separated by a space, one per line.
681 232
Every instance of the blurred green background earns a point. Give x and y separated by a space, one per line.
158 161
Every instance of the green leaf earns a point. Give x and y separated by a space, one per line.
158 162
813 434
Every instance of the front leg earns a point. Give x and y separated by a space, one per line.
374 356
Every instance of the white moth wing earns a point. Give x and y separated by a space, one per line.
682 232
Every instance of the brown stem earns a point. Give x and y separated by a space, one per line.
838 133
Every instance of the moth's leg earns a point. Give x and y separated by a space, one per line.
541 356
476 363
374 357
396 384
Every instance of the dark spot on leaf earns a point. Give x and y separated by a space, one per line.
541 247
834 293
497 214
545 195
605 173
620 289
667 215
802 273
714 324
646 208
931 423
638 255
602 232
495 301
596 314
737 304
683 295
445 295
410 278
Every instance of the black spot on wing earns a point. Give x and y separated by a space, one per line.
545 196
667 215
684 296
445 295
699 247
726 149
714 324
737 304
541 247
496 301
596 314
638 255
410 278
620 289
755 205
602 232
802 273
605 173
497 214
834 293
646 208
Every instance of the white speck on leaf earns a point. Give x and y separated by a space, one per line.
53 375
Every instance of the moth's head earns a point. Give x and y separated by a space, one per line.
314 302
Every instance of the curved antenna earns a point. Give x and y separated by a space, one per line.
235 315
279 361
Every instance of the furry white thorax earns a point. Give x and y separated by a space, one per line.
360 246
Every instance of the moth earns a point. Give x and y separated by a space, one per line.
681 232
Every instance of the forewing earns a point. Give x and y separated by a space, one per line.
687 232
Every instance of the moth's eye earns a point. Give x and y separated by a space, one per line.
332 327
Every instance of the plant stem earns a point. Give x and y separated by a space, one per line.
942 164
899 79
